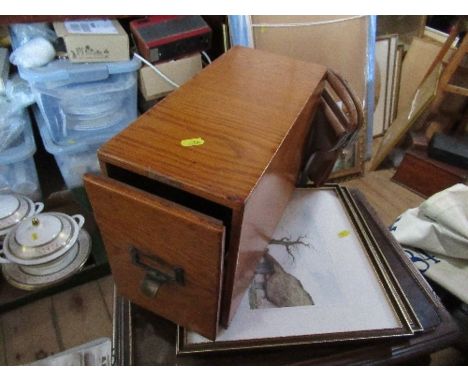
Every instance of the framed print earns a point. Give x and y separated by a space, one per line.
350 163
320 280
396 82
385 57
379 259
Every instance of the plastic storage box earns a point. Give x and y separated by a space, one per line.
88 102
12 123
17 168
73 159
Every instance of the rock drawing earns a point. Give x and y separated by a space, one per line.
273 287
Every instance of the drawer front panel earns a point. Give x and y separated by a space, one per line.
164 257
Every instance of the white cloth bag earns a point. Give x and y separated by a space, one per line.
435 237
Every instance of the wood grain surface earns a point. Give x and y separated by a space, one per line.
264 209
425 175
29 333
81 315
388 198
128 217
242 106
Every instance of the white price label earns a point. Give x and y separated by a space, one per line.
91 27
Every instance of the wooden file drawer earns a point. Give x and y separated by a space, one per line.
150 236
185 225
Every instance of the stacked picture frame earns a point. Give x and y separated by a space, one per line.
354 298
388 56
340 286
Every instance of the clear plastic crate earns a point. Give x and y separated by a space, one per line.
17 167
84 101
12 124
73 159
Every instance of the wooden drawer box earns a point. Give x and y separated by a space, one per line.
185 225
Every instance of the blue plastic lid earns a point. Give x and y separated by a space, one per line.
25 148
65 71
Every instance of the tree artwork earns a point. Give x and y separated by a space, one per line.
273 287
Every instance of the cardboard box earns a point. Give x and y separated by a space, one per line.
153 86
338 42
93 40
339 45
417 61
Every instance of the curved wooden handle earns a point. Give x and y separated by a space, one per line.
353 107
336 129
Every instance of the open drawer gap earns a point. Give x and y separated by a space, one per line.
173 194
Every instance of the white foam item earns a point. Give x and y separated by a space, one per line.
36 52
20 34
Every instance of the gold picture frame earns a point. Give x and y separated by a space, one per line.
351 162
392 304
386 52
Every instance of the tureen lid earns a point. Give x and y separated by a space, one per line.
37 231
14 208
41 238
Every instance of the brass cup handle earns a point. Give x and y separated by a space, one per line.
158 272
149 286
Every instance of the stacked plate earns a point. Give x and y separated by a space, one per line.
13 209
44 249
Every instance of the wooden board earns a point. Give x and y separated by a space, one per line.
406 118
81 315
416 62
29 333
